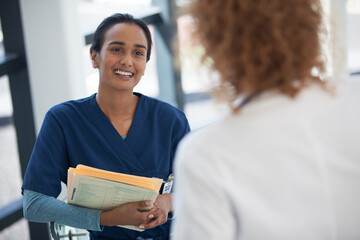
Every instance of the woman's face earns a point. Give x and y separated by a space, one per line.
122 58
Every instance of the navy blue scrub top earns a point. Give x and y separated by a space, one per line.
78 132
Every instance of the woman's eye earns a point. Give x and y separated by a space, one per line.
138 53
116 50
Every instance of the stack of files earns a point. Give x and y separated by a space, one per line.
99 189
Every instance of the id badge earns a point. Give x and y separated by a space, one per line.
168 184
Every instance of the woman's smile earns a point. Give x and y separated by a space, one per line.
122 73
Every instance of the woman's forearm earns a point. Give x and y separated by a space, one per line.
42 208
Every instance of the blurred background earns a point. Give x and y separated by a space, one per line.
44 60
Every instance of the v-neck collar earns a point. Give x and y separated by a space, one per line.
134 122
121 146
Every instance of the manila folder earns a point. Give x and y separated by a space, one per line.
103 194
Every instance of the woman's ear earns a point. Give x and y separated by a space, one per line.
94 58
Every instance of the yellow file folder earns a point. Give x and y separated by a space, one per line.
99 189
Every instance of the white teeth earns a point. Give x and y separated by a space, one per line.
123 73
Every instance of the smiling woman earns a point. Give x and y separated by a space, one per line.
115 129
121 60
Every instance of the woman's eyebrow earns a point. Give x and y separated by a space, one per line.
122 43
116 43
140 46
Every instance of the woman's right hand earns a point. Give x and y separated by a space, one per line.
127 214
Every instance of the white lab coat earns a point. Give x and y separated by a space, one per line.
281 169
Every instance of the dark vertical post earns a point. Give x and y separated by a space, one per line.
20 93
18 80
167 54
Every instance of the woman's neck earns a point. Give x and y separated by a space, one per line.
117 105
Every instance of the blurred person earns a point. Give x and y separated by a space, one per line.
114 129
285 163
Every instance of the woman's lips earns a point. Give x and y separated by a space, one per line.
123 73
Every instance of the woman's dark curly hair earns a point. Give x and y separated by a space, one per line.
258 45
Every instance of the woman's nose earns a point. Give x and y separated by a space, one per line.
126 60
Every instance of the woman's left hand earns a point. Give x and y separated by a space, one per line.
163 205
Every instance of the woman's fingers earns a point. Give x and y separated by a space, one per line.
157 217
144 205
133 213
159 212
154 223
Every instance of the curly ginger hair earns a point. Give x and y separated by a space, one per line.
258 45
